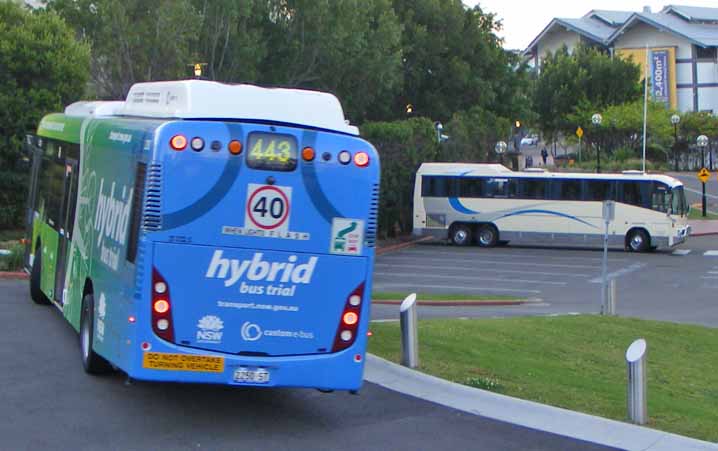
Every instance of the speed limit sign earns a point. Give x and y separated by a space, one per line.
268 207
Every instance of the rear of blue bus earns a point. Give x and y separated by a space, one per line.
256 256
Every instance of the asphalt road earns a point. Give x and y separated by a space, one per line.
48 403
677 285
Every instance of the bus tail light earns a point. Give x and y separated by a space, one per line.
344 157
161 308
178 142
361 159
349 322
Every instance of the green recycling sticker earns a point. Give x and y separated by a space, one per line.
347 236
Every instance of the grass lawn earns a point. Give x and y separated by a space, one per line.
697 213
394 296
574 362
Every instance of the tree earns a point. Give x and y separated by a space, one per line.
453 60
348 47
586 78
133 40
44 68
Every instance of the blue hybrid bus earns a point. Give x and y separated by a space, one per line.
204 232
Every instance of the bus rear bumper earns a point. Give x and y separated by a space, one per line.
342 370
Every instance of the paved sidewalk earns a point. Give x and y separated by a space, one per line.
526 413
704 227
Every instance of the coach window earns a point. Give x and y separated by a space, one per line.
630 192
599 190
660 197
433 186
469 187
570 189
499 187
533 188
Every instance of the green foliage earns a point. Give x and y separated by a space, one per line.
14 261
133 40
694 124
44 68
402 146
585 80
473 135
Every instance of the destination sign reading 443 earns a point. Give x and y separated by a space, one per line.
272 152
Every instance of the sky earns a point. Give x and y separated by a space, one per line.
523 20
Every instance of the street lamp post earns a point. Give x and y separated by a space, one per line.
596 121
675 119
702 142
500 148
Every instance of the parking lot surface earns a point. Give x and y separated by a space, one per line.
672 285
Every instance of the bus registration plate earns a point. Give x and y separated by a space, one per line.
258 376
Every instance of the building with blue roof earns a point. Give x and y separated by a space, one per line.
676 47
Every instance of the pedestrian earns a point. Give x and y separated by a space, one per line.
529 161
544 155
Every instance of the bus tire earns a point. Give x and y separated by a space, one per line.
36 294
461 235
91 361
487 235
637 240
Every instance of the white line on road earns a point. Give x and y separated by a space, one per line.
699 192
620 272
489 279
712 272
710 254
476 261
505 253
381 286
464 268
682 252
710 277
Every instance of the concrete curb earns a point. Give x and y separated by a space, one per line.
396 247
526 413
7 275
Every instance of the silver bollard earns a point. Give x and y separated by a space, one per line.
637 395
409 332
609 301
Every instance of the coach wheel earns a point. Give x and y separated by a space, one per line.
38 297
461 235
92 362
638 241
488 236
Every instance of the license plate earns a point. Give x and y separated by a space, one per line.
182 362
258 376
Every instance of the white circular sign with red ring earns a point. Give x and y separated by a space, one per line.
268 206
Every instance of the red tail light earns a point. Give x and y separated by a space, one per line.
161 308
361 159
349 320
178 142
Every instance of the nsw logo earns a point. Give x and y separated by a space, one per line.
209 329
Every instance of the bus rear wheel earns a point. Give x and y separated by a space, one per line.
461 235
36 294
638 241
488 236
91 361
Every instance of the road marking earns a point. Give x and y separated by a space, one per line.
475 261
505 253
699 192
489 279
709 277
621 272
682 252
710 254
384 321
712 272
463 268
380 286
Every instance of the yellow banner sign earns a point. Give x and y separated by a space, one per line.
182 362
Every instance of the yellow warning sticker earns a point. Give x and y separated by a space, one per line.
182 362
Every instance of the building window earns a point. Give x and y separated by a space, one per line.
706 53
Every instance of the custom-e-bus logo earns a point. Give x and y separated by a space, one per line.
258 270
112 218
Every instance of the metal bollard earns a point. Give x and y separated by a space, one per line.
637 395
409 332
609 302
